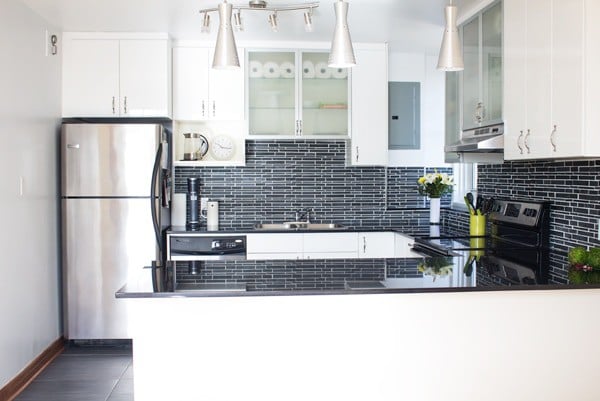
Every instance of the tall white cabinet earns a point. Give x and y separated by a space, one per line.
116 75
551 84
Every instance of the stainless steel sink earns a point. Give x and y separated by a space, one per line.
298 225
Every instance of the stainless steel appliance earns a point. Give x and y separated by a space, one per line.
515 253
200 247
115 194
488 139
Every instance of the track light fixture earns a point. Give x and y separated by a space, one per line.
225 46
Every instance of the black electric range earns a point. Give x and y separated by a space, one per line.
516 252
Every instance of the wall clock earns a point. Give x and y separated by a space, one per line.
222 147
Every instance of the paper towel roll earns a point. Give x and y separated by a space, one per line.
322 71
178 211
308 69
287 70
339 73
271 70
212 216
256 69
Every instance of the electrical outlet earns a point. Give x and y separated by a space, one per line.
51 43
203 204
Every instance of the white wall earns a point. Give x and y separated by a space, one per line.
418 67
29 119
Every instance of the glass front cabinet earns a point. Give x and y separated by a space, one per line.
295 94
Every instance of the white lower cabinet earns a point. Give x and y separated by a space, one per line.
272 246
376 244
330 245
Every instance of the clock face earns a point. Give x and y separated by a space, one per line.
222 148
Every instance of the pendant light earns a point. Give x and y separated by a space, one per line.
342 53
451 58
225 50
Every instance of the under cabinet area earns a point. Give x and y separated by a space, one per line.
552 88
202 93
295 94
116 75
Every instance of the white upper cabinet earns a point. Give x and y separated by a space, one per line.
550 80
369 138
114 75
202 93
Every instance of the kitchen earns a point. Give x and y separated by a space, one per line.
32 113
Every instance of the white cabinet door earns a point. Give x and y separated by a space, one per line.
566 136
90 78
144 78
226 89
190 83
330 244
515 80
274 246
376 245
369 140
403 246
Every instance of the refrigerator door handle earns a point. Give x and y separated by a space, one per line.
153 200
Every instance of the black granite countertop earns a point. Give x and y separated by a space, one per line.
252 230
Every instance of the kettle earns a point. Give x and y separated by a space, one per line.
195 146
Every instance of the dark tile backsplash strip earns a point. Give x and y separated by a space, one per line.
283 176
571 187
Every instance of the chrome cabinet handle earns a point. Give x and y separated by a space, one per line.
357 154
125 105
297 127
113 105
301 128
552 135
479 112
203 109
73 146
364 244
527 141
519 142
214 108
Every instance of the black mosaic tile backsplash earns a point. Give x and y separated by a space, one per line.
571 187
281 177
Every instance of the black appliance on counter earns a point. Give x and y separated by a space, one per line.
515 253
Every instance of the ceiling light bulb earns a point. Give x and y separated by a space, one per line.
308 26
273 22
237 21
342 53
451 58
206 23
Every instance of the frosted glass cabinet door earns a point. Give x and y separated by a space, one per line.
272 93
471 74
324 96
492 65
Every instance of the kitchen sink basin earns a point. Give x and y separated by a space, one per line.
298 225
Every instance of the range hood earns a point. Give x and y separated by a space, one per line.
488 139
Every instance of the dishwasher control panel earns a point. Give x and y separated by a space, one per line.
206 247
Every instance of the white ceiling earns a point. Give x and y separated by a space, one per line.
408 25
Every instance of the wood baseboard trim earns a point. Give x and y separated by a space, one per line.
14 387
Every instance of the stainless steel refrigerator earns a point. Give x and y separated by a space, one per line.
115 195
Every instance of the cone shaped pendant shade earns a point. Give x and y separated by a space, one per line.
451 58
342 53
225 50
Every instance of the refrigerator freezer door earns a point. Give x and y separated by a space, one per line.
108 160
107 242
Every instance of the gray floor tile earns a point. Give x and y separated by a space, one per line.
68 390
82 367
121 397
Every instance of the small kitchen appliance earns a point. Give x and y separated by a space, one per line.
212 215
193 198
195 146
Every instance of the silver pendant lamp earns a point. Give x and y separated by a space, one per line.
342 53
226 55
451 58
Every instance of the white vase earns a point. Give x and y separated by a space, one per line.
434 211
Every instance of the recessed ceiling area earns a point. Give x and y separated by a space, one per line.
408 25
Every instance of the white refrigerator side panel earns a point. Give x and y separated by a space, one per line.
106 243
108 160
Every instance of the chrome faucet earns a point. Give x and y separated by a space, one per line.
304 215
